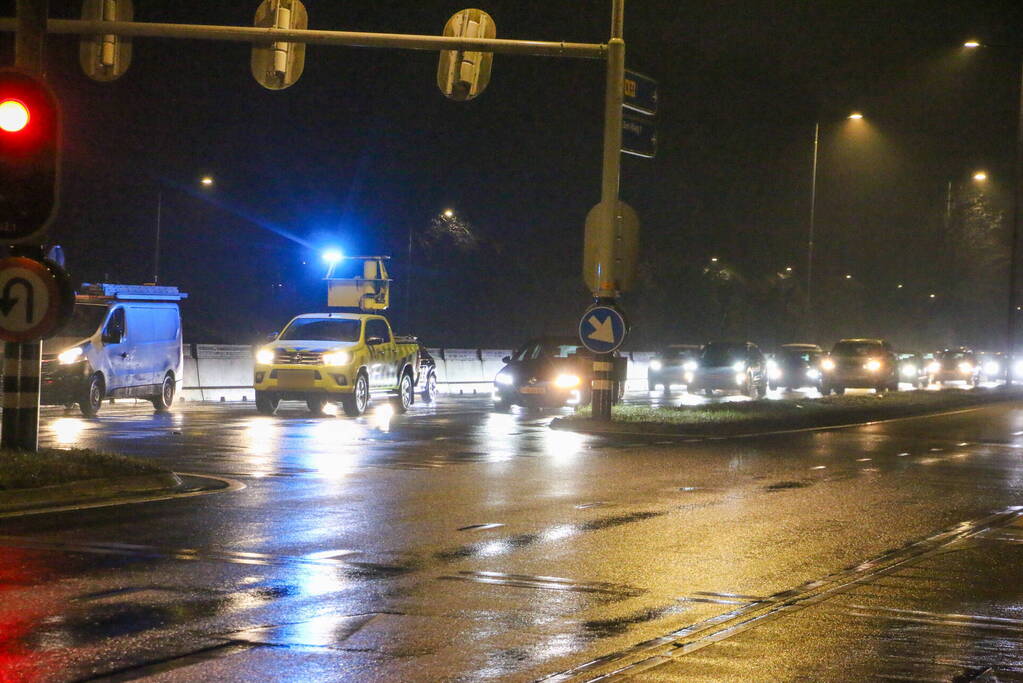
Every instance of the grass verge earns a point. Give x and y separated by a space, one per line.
21 470
734 418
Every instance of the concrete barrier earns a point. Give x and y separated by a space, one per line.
217 372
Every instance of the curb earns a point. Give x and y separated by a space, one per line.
85 491
656 429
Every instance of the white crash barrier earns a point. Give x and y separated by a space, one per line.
220 372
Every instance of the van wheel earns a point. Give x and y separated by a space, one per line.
839 391
165 399
266 403
429 393
355 403
315 404
92 399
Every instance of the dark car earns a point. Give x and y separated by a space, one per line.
549 372
913 369
729 366
669 365
795 366
860 364
959 364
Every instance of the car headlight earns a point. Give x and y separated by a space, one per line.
70 356
336 358
828 364
872 365
656 364
992 368
265 356
934 367
1017 368
966 367
504 378
566 381
688 377
909 369
739 366
813 373
690 366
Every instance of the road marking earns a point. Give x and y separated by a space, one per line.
232 485
670 647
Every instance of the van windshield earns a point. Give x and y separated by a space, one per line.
323 329
85 320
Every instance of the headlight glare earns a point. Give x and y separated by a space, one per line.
70 356
504 378
656 364
739 366
566 381
336 358
265 356
873 365
934 367
992 368
966 367
828 364
909 369
690 366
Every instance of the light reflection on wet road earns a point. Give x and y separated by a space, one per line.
457 543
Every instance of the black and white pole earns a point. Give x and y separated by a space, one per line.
22 360
22 364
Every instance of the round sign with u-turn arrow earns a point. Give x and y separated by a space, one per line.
602 329
36 299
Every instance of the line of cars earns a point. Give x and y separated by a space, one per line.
860 363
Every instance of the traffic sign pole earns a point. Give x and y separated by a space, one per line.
604 292
19 428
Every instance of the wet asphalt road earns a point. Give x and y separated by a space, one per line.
459 544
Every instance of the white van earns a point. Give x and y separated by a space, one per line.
122 341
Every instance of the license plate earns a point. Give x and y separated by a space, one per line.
533 390
294 379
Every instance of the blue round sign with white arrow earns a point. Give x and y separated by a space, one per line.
602 329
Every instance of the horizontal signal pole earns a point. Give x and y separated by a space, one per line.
251 34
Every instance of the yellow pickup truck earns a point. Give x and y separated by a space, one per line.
324 358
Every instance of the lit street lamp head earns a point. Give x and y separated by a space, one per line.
448 213
971 44
855 116
206 181
980 176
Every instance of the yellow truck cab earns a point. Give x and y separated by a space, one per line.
336 357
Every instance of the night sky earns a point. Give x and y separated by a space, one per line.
364 148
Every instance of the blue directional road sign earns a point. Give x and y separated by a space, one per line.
602 329
639 135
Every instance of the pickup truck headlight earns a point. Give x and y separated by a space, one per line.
566 381
336 358
966 367
70 356
872 365
265 356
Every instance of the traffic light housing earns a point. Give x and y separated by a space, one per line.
29 156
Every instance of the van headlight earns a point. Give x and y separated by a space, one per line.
265 356
966 367
909 369
336 358
656 364
504 377
566 381
813 373
992 368
872 365
70 356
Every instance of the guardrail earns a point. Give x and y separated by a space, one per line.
220 372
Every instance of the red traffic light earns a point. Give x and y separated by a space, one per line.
14 116
29 155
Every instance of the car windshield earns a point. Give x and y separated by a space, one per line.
85 320
563 350
796 354
856 348
716 355
955 355
322 329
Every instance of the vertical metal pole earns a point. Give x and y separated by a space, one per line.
19 429
603 363
809 242
156 251
1017 206
408 285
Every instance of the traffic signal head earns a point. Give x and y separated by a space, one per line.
29 155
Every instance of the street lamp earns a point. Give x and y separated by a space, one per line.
855 116
980 176
1017 207
207 182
